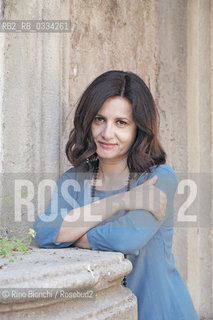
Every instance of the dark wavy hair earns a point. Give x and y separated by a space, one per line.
146 149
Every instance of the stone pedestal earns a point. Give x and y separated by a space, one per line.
66 284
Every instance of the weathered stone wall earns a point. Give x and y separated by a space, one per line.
107 35
168 43
199 147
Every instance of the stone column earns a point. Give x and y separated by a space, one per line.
44 284
199 146
186 106
34 90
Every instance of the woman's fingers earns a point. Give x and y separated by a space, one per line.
158 203
154 199
162 205
148 197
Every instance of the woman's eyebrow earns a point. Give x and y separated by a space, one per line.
99 115
122 118
117 118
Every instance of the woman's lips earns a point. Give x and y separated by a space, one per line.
106 145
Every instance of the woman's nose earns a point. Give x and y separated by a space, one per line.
107 132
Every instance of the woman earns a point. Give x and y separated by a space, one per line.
114 148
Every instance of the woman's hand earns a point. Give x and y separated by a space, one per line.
148 197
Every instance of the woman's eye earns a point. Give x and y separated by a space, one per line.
98 119
122 123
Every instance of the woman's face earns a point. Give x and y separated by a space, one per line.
113 129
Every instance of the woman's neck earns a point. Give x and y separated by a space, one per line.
112 175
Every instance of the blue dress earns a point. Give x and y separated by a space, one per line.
146 242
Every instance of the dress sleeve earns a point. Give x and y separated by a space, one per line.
133 230
47 224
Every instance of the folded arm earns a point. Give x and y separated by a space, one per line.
65 221
133 230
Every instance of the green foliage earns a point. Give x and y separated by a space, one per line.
8 247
